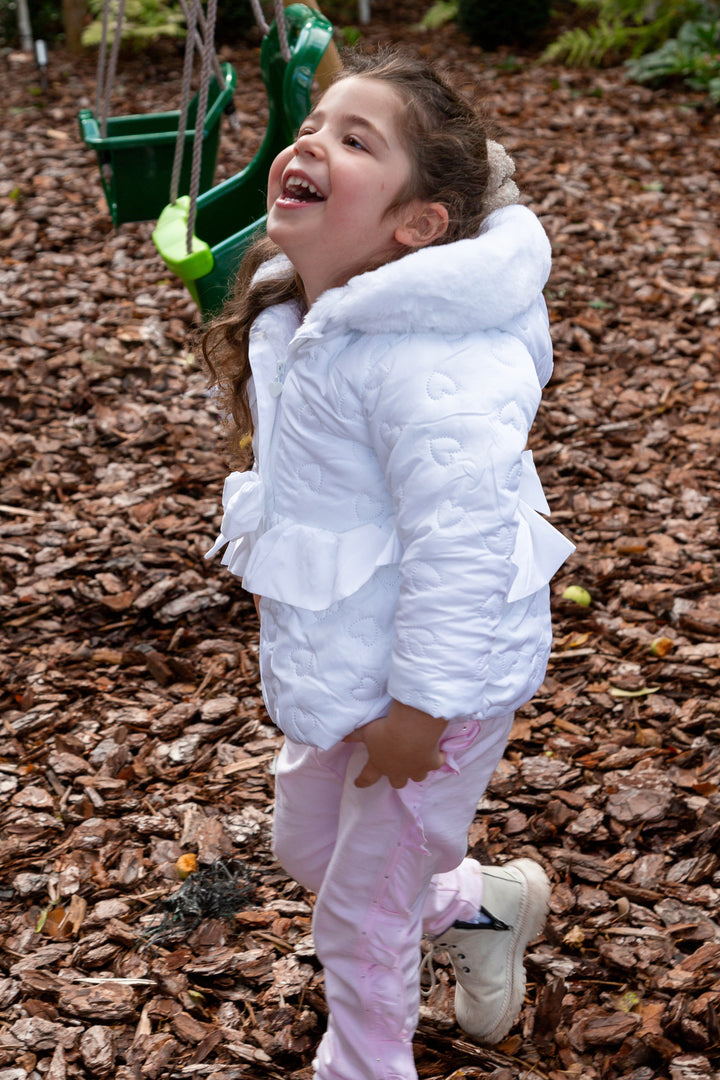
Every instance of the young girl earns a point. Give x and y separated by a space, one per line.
386 348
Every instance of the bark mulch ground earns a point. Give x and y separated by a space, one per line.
133 731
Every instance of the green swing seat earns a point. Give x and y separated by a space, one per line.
136 154
230 215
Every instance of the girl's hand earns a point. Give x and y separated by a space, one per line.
402 746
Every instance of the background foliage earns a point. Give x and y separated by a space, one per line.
693 56
621 28
144 21
45 18
659 39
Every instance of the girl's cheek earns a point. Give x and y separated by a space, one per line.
274 178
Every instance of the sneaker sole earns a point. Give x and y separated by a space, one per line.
530 921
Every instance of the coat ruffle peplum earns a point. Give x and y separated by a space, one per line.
391 523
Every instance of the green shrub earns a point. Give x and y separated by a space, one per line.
490 23
694 56
144 21
441 12
624 28
659 40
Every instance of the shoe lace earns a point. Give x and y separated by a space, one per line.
427 965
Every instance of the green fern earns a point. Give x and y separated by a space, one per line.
588 48
624 28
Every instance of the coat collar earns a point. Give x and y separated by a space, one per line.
463 287
466 286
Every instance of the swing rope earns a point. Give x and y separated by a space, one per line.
200 118
279 8
107 69
203 38
191 19
101 60
200 35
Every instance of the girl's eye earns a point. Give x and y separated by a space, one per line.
353 141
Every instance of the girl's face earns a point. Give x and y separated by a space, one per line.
329 193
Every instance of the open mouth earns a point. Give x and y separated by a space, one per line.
298 189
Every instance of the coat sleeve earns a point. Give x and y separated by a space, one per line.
449 430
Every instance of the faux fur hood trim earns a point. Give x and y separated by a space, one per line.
466 286
463 287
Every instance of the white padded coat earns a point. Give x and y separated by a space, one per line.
390 522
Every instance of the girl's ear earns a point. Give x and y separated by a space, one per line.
422 224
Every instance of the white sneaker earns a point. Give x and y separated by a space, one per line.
488 959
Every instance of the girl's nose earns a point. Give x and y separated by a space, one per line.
309 143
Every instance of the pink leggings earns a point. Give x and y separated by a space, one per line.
387 866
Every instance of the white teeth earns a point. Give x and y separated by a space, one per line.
300 182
